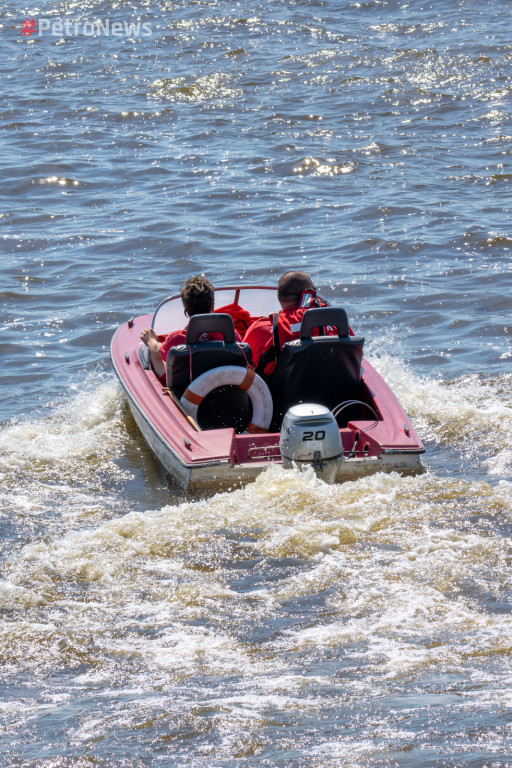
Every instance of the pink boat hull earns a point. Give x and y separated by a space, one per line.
222 458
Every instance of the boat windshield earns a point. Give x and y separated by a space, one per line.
258 300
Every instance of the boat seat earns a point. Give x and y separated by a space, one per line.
321 369
188 361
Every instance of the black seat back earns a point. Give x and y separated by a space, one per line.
188 361
322 369
335 317
215 322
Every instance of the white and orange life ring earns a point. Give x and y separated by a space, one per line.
238 376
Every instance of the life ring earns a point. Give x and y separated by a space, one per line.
244 378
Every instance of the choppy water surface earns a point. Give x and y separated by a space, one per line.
288 623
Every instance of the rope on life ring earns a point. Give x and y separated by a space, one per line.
235 375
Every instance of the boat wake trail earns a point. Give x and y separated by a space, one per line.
466 423
129 612
218 612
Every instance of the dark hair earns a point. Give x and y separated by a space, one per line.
197 296
291 285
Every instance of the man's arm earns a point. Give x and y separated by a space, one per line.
150 339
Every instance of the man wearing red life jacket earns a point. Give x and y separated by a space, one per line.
197 296
296 293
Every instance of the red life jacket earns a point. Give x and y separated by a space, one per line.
286 327
242 319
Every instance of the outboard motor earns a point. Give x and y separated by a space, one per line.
310 436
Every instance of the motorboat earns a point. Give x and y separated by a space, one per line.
214 423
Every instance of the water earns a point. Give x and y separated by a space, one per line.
288 623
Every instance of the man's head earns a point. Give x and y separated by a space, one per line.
290 287
197 296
